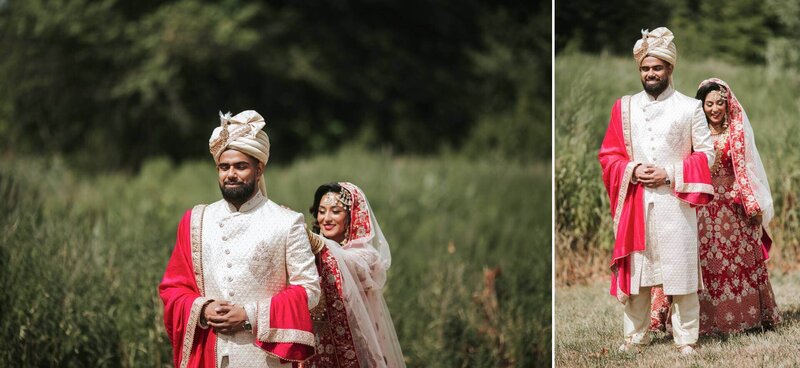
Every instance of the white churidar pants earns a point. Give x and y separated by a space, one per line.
685 318
685 310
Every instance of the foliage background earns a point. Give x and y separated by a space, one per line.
440 111
148 77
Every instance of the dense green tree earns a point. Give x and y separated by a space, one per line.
732 30
783 52
608 26
112 82
736 31
513 121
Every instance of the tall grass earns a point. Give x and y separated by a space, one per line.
81 255
586 88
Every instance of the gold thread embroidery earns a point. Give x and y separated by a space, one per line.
197 263
276 356
188 337
698 188
625 107
682 187
280 335
263 319
719 146
739 166
623 192
621 296
626 124
197 245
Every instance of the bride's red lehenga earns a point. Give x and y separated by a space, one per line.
352 324
737 294
335 346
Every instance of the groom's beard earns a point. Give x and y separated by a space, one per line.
238 194
655 89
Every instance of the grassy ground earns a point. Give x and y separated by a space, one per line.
589 330
81 255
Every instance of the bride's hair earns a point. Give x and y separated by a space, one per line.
706 88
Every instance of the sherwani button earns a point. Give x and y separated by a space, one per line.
230 293
224 238
230 265
227 251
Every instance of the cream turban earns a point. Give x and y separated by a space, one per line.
243 133
657 43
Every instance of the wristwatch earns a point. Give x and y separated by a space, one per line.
668 182
247 326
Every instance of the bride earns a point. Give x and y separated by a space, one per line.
351 322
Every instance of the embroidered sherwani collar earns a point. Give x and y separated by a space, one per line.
254 202
663 96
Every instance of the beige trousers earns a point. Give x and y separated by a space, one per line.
685 318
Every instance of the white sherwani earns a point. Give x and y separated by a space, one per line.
664 131
249 255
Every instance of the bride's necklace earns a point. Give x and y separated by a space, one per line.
718 129
719 144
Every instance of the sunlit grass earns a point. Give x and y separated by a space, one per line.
589 330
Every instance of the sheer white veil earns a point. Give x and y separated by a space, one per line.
757 174
365 233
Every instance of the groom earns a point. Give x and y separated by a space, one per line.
241 280
655 159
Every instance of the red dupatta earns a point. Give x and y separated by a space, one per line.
183 298
290 334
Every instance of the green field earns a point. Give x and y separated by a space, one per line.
586 88
82 255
